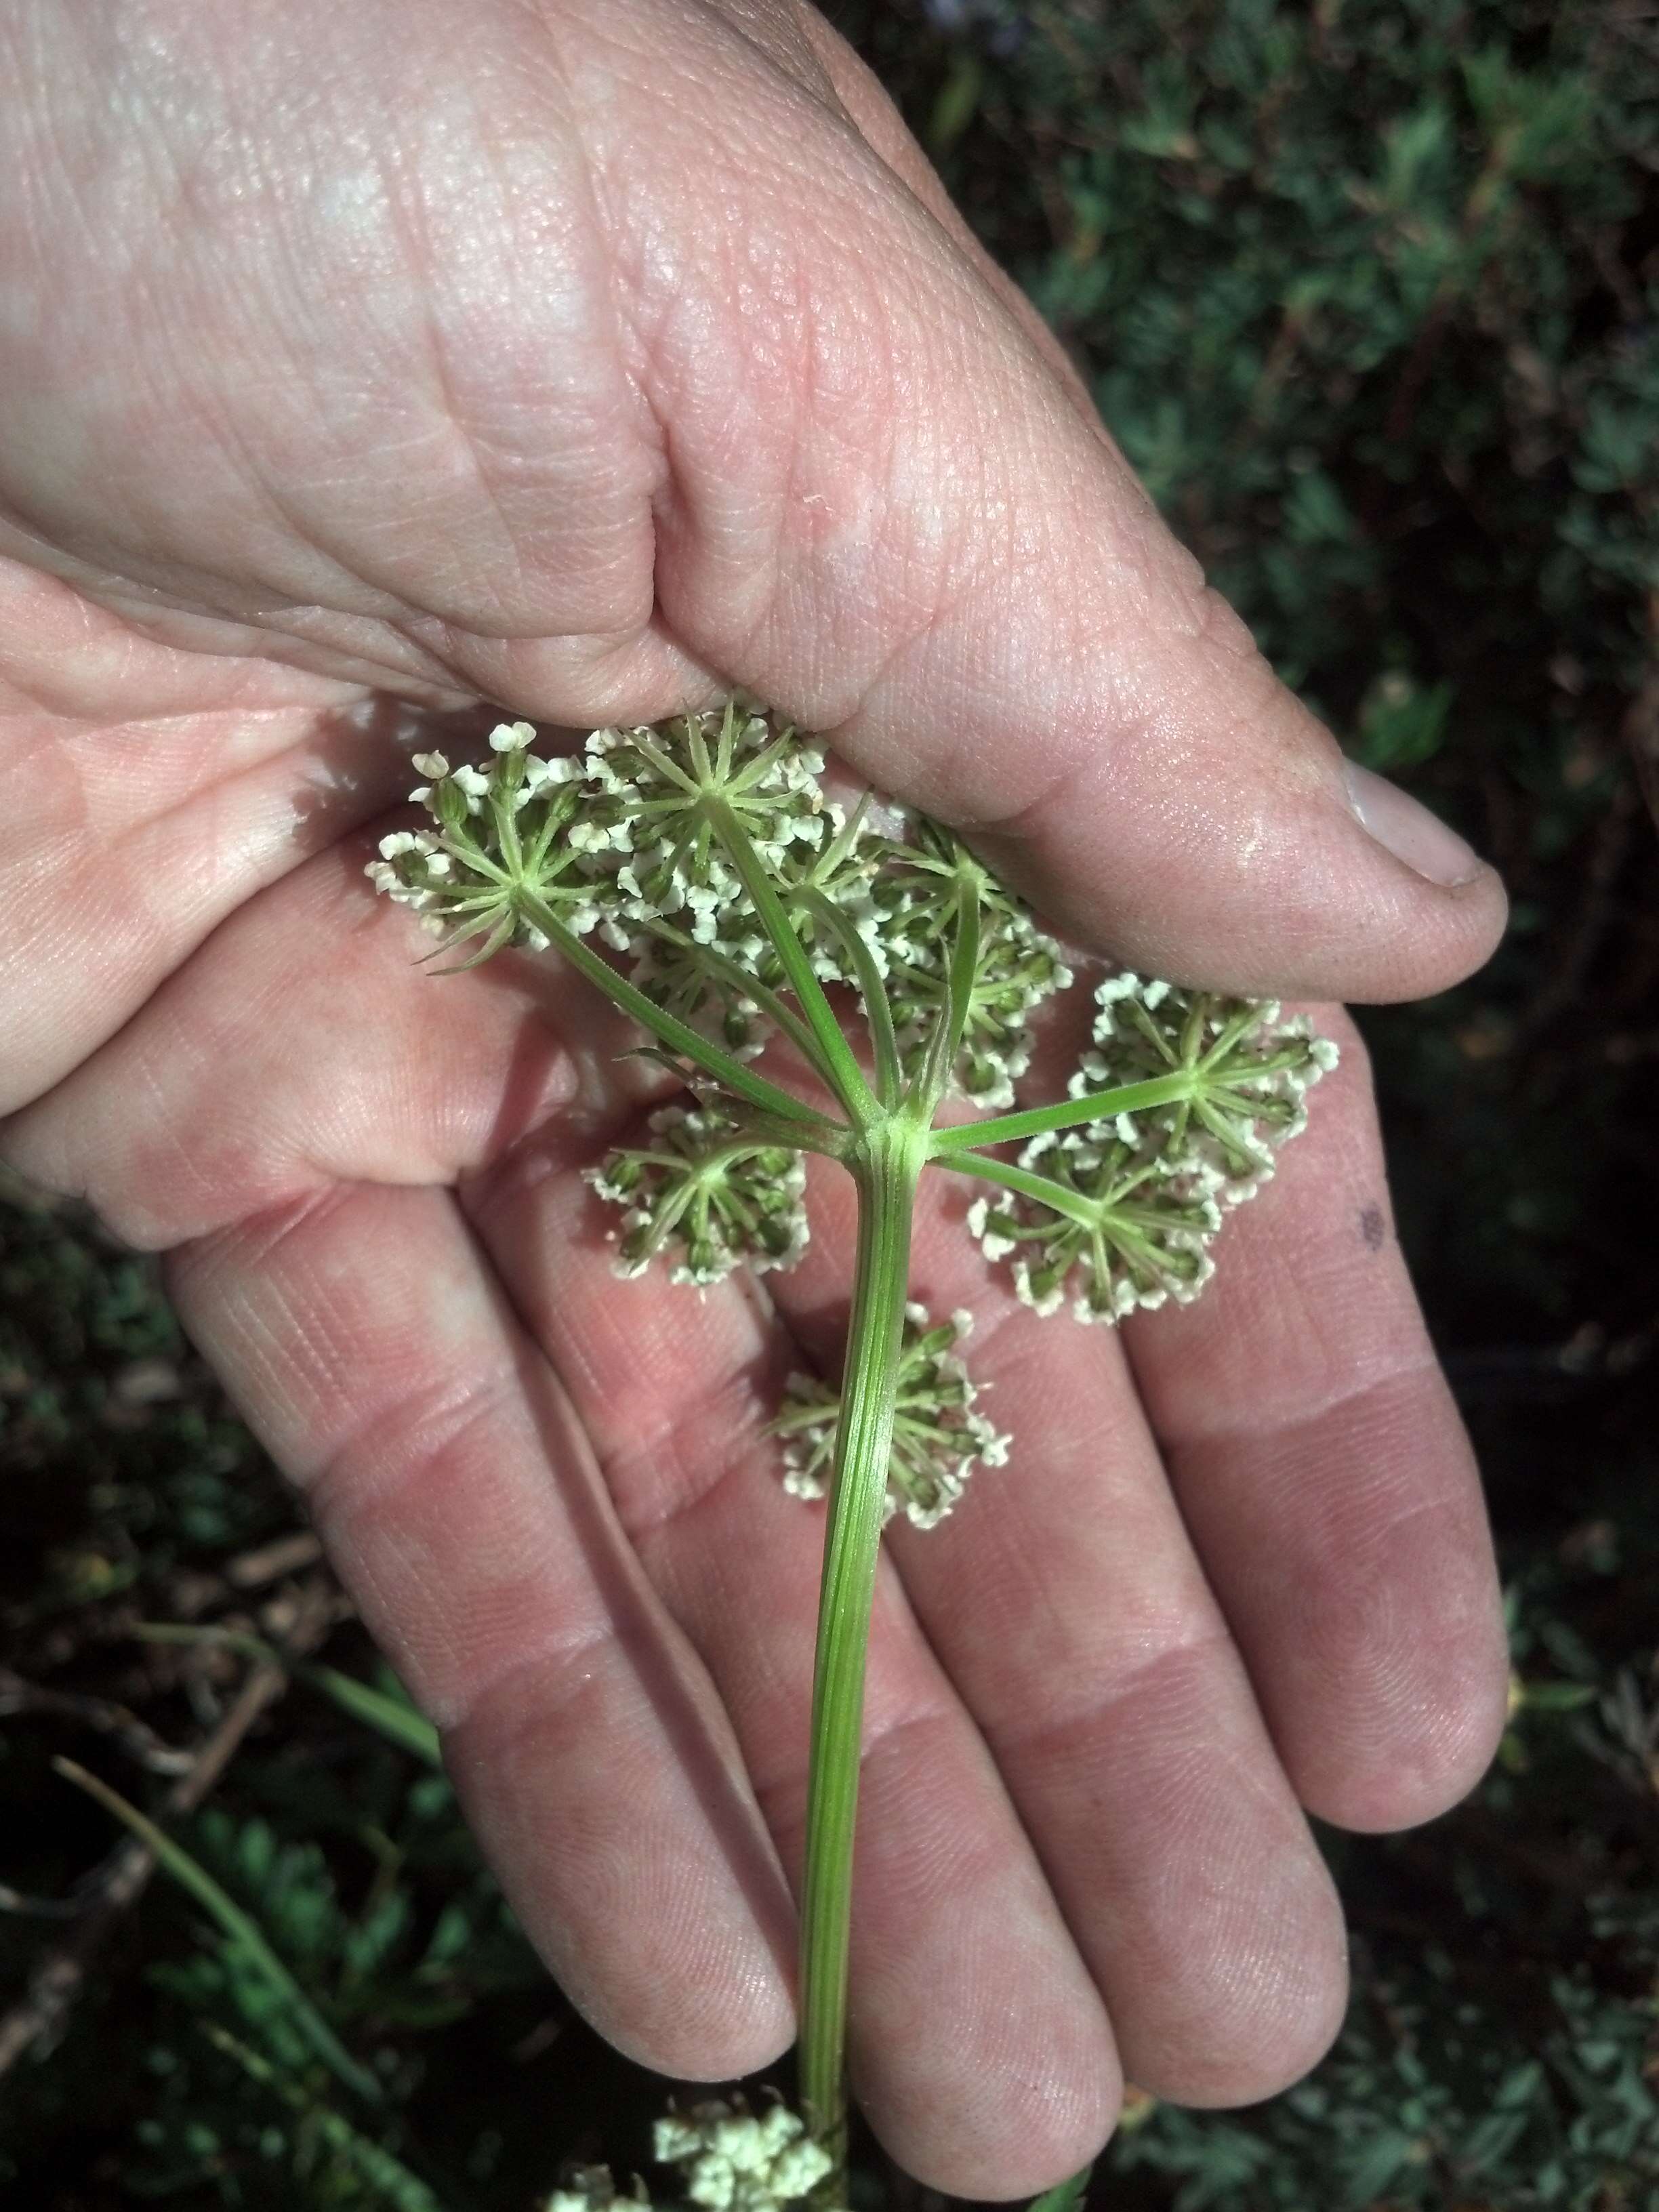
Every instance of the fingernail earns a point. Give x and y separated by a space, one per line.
1408 829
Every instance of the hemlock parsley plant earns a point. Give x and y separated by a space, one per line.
730 897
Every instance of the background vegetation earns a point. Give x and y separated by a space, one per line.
1368 290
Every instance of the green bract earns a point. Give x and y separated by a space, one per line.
703 852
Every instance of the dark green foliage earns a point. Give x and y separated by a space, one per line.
121 1463
1369 289
391 1974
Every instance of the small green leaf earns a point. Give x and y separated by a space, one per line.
1491 2139
404 2190
1556 1697
1377 2165
1065 2196
1401 723
956 104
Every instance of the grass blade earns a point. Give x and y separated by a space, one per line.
390 1717
239 1928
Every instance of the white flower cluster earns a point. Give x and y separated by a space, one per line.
915 899
499 831
626 840
620 839
729 2161
707 979
840 868
708 1194
1250 1068
678 975
1131 1205
938 1437
654 786
735 2162
1135 1235
623 840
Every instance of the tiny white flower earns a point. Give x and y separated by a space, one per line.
712 2182
1126 986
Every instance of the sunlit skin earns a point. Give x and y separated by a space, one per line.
361 365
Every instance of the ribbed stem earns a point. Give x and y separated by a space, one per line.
1065 1114
887 1166
679 1036
837 1062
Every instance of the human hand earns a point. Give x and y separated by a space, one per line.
354 373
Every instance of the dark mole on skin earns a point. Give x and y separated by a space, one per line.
1372 1229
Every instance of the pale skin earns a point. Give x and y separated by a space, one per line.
361 365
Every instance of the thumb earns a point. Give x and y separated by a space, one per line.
890 516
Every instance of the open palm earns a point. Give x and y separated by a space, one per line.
362 366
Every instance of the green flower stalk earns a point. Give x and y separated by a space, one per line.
728 893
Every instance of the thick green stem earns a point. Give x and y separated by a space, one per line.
1029 1184
886 1165
877 1008
1064 1113
744 985
838 1061
679 1036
